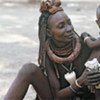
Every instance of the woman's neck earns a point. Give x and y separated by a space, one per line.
58 44
60 55
62 49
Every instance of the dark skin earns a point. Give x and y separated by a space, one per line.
96 43
57 26
29 74
96 46
61 30
98 16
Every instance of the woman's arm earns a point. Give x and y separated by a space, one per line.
91 43
87 78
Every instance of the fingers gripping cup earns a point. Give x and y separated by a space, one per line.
93 65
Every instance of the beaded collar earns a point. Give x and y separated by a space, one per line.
68 59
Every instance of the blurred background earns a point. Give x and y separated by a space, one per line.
19 34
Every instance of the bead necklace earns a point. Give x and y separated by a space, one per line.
62 60
62 51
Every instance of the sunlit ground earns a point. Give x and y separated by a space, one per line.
19 35
18 41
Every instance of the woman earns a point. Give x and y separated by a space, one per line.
61 51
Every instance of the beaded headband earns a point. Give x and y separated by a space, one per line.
51 6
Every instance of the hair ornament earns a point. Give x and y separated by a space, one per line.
51 6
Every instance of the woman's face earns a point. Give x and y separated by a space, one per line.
60 27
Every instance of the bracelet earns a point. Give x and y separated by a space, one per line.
73 89
78 85
86 39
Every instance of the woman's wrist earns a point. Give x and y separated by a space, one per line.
80 82
75 87
77 84
72 89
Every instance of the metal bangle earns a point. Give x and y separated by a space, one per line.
86 39
78 85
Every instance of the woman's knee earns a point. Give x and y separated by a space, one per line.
28 70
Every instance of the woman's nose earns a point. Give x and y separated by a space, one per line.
69 28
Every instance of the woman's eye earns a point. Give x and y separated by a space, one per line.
61 25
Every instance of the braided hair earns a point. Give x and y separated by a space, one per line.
43 23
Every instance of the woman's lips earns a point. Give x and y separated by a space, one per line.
69 36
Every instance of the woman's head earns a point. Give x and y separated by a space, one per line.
60 27
55 24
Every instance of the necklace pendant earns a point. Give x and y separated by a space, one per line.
70 77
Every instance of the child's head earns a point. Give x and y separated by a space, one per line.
98 16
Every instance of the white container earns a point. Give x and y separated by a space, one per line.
70 77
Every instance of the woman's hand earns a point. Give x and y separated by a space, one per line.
89 78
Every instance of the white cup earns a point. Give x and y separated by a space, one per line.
70 77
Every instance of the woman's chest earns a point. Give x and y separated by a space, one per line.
66 72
